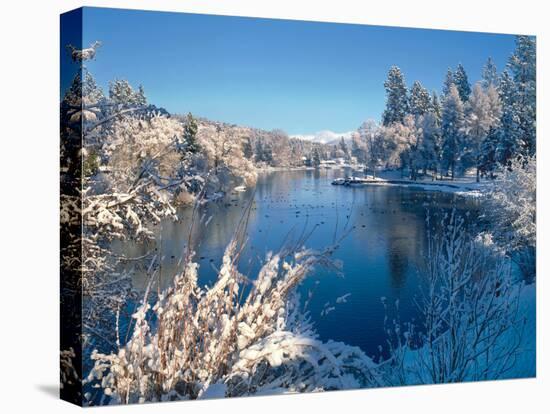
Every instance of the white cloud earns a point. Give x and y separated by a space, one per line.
324 137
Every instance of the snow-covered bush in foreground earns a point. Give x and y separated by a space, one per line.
471 327
222 341
513 208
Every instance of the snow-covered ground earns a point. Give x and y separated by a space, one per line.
525 356
466 185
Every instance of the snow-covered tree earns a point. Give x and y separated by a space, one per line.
435 106
369 133
122 93
397 105
248 151
523 68
482 114
140 98
430 142
190 130
315 158
358 147
419 100
263 152
489 74
400 144
452 124
462 83
344 148
513 210
488 161
471 328
509 131
448 82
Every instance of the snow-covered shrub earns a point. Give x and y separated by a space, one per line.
230 339
222 148
512 207
471 328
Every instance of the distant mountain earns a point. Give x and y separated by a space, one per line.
325 137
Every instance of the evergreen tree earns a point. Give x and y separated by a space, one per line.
140 98
358 148
248 151
452 129
369 133
461 82
344 147
448 82
509 131
481 116
523 68
396 97
267 153
435 106
488 155
430 142
83 91
122 93
316 158
190 130
419 101
259 152
489 75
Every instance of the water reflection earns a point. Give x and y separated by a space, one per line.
381 255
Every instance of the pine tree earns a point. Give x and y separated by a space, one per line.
259 152
344 147
122 93
461 82
419 101
448 82
430 142
523 68
83 91
435 106
452 129
358 148
509 131
481 116
316 158
488 155
489 75
190 130
396 97
267 153
140 98
369 133
248 151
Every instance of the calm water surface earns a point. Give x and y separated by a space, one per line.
381 256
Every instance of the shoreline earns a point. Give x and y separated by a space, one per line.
471 189
465 186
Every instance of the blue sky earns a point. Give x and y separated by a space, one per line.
299 76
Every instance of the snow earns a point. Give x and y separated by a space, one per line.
324 137
216 390
266 343
525 363
465 186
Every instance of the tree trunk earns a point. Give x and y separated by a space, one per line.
453 171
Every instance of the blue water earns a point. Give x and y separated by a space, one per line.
382 254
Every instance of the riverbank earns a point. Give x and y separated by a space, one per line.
466 185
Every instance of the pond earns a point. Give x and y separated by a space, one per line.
382 254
